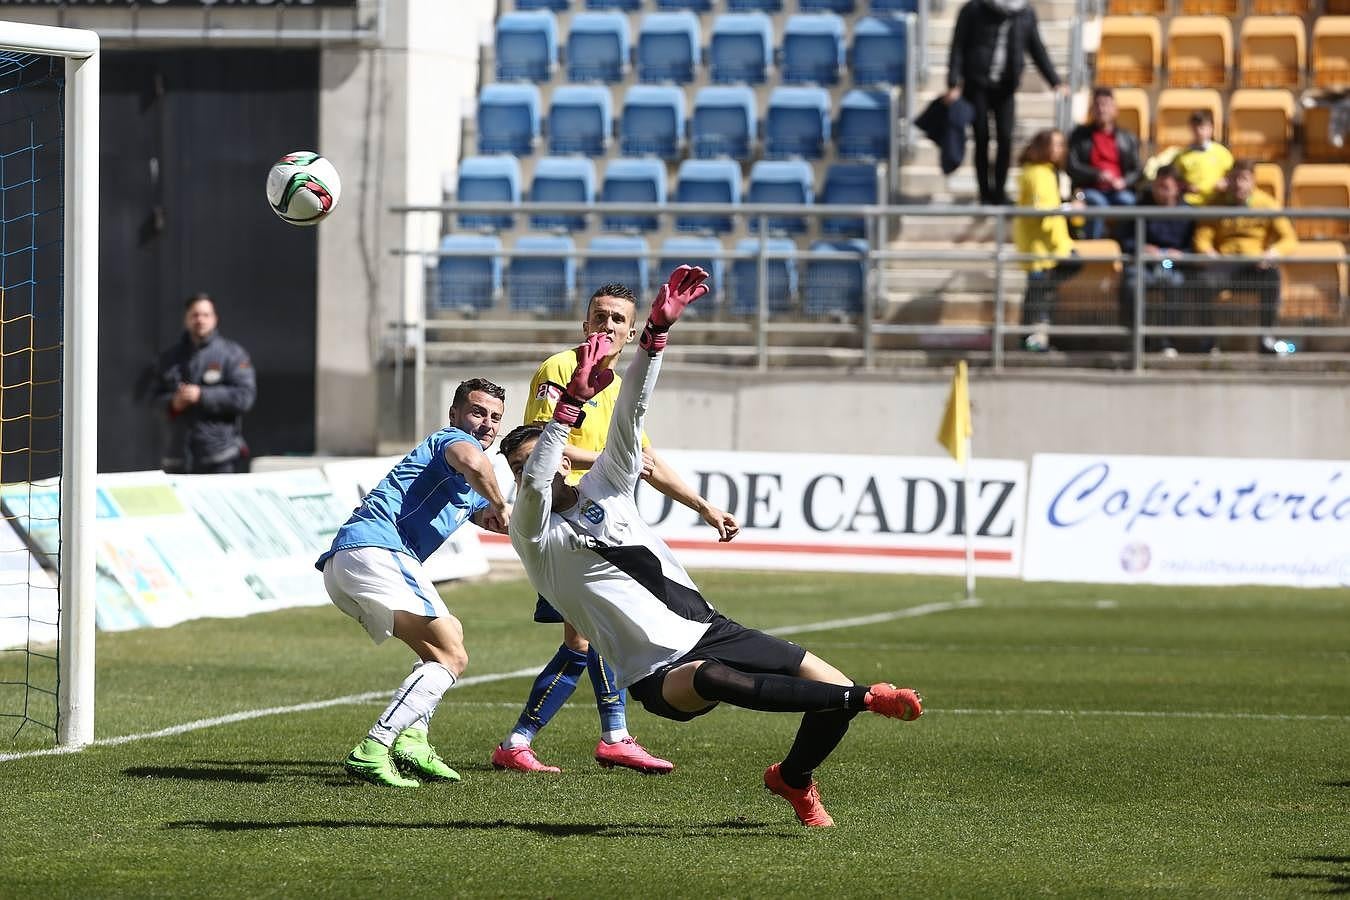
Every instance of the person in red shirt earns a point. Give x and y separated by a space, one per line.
1103 162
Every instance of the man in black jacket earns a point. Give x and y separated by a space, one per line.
988 54
1164 241
205 384
1103 161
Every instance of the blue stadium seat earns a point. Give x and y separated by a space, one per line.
782 277
579 119
797 122
707 181
813 49
630 270
597 47
695 251
466 283
526 46
652 122
768 6
668 47
879 51
562 179
781 181
834 6
848 183
741 48
485 179
633 181
836 285
624 5
508 118
542 284
895 6
701 6
723 123
864 128
554 5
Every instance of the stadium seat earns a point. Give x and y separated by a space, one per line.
854 184
835 6
1270 179
895 6
1272 52
1260 123
465 283
863 131
781 181
488 179
1331 53
835 285
723 123
1130 51
768 6
668 47
554 5
880 50
1338 7
508 118
1137 7
597 47
562 179
741 48
1314 292
629 270
1317 145
624 5
526 46
652 123
633 181
1199 51
542 284
797 122
813 49
1280 7
695 251
707 181
698 6
579 119
1091 295
1314 185
1133 107
1173 110
781 281
1227 8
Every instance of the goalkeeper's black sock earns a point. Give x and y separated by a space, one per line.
819 734
719 682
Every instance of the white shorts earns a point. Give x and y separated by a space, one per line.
371 583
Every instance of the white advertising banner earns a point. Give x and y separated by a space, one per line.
839 513
1188 520
27 593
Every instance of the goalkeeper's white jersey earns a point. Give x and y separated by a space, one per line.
598 562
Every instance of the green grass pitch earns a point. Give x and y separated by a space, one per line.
1080 740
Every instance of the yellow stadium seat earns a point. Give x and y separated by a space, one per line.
1314 292
1173 110
1130 51
1260 123
1199 51
1137 7
1319 185
1270 179
1279 7
1317 146
1331 53
1089 297
1273 52
1133 113
1209 7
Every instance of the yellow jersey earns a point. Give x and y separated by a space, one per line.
1048 236
1201 169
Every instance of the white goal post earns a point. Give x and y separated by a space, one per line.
75 653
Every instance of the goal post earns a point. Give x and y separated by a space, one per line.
79 365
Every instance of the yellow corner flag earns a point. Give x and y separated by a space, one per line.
956 420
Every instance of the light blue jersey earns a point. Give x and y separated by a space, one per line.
420 503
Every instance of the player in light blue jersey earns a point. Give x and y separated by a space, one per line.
373 573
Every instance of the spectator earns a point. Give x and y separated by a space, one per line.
1265 239
205 384
1164 241
989 45
1045 237
1204 164
1103 160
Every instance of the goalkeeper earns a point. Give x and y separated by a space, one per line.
585 547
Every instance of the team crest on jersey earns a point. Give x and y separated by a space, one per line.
592 512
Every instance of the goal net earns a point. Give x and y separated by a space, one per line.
48 365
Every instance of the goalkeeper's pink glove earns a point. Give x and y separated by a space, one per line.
684 286
591 377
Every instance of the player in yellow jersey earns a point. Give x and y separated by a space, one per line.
612 310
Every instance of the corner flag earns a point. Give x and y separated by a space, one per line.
956 429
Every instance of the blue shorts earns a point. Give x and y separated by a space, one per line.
544 612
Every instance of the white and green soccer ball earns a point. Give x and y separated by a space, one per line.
303 187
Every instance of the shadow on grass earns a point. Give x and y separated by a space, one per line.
1335 882
553 829
242 771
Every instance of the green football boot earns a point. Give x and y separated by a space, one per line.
371 761
414 755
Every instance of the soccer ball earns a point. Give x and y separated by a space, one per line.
303 187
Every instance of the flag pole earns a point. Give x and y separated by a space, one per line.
969 515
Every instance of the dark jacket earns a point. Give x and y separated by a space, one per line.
1168 234
972 49
1079 166
945 124
209 432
